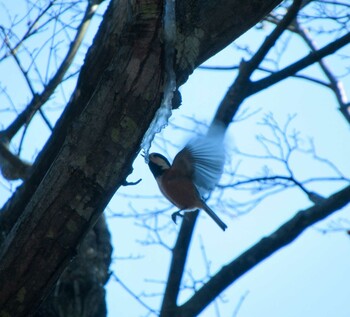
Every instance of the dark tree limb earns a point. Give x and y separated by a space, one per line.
271 40
76 190
11 166
308 60
241 88
206 27
97 138
80 289
177 266
334 83
287 233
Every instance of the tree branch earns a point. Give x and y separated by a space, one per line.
11 166
270 41
40 99
241 87
177 265
263 249
59 215
308 60
198 25
334 84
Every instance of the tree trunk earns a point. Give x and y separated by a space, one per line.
80 289
92 148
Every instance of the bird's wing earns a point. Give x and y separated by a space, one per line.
183 163
202 159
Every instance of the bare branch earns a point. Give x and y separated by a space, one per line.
266 70
308 60
241 88
134 295
11 166
126 183
280 148
177 265
240 303
270 41
31 28
39 99
334 84
287 233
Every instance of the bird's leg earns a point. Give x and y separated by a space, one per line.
175 214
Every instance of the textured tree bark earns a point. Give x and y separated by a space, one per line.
92 148
80 291
205 27
94 160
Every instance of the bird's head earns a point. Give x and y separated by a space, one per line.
158 164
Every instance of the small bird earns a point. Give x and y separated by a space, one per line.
195 171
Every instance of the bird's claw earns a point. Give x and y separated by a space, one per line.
175 214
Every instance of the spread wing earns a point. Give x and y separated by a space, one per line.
183 163
202 159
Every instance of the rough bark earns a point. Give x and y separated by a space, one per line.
205 27
92 148
80 289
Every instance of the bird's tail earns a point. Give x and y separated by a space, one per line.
213 216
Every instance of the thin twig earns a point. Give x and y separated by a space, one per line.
308 60
135 296
39 99
287 233
334 84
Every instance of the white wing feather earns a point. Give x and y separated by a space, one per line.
208 160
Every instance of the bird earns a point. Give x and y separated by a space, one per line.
195 171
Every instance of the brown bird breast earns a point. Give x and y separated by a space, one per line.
179 190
